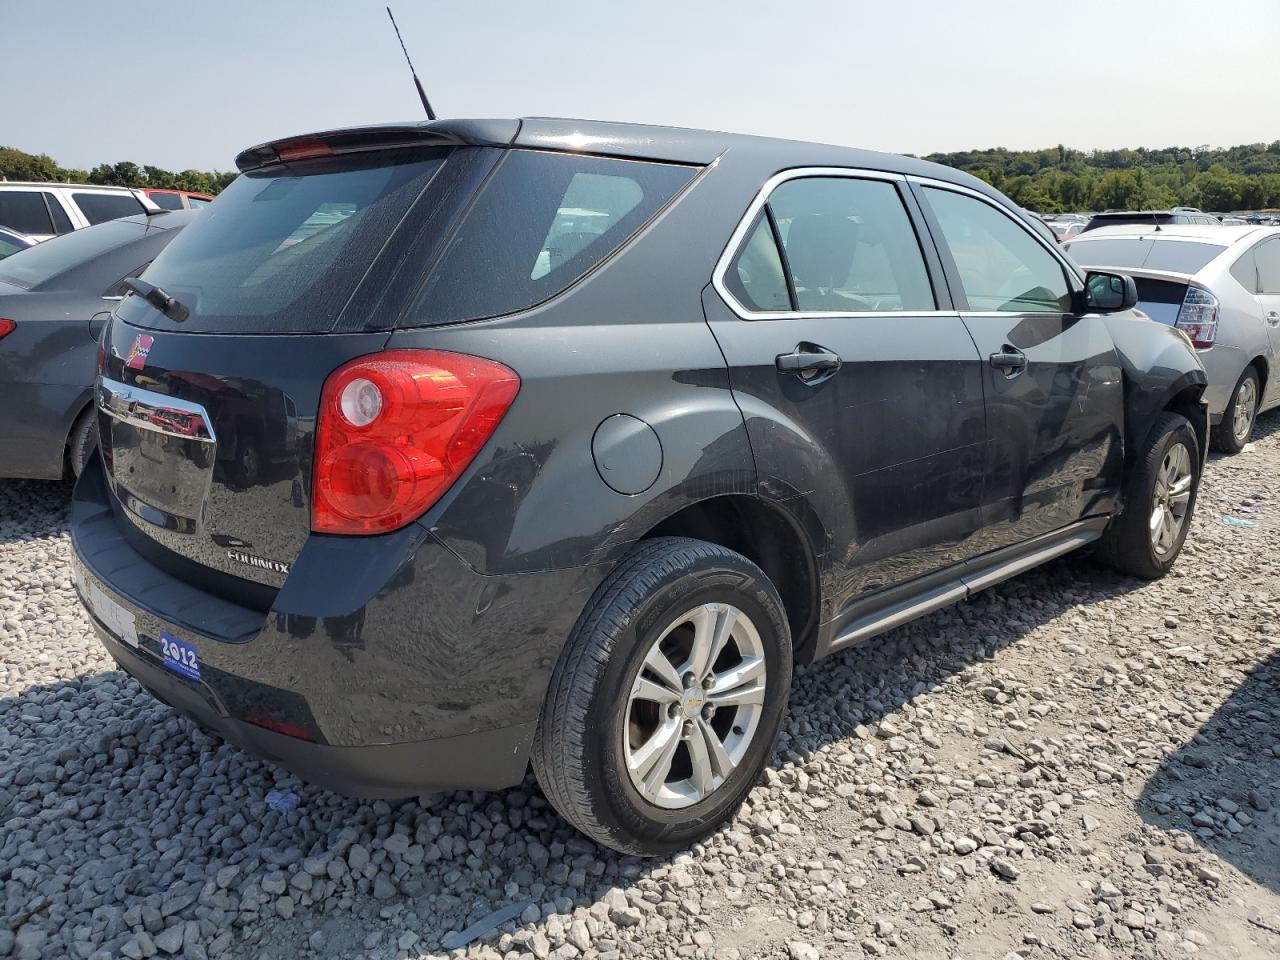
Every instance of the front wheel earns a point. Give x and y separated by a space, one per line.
666 701
1147 536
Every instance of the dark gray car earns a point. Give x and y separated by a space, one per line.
54 298
438 450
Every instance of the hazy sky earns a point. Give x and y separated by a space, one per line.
182 84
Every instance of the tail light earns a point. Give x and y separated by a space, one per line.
396 429
6 328
1198 317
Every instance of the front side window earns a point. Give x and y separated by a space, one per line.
100 207
1002 267
24 211
1267 256
849 248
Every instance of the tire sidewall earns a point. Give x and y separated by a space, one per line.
717 579
1179 432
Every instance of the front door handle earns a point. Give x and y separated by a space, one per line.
808 361
1273 318
1010 360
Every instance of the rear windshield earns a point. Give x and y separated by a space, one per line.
542 222
286 246
101 207
44 262
1178 256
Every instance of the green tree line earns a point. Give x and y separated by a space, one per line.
19 165
1059 179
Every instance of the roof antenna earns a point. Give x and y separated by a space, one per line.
422 94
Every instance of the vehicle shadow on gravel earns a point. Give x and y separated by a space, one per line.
1220 787
33 509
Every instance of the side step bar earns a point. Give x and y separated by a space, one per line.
969 578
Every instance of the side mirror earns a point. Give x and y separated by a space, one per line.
1109 292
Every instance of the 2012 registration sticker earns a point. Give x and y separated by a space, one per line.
180 656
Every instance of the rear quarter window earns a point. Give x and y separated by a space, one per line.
541 223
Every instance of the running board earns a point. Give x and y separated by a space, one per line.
971 577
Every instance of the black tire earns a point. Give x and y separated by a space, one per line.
82 441
1224 438
578 752
1127 544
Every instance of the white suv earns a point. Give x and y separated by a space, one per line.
44 210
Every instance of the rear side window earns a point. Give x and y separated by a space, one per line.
1268 257
1245 270
46 261
848 245
24 211
755 277
1002 267
166 201
101 207
541 223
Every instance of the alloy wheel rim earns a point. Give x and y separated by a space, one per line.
1172 497
694 705
1246 401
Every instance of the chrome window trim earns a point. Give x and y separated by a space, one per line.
1057 254
739 235
130 405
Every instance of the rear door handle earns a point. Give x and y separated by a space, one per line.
1273 318
808 360
1011 360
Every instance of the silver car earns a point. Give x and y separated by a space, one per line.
1220 285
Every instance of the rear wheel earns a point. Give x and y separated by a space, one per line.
1146 538
666 702
1233 432
81 441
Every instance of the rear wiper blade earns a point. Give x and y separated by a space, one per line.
171 307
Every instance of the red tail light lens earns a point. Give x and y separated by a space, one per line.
6 328
1198 317
396 429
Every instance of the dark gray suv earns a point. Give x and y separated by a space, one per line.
436 450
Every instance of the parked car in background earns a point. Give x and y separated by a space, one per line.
177 199
514 501
1221 286
1233 221
44 210
1178 215
1064 230
11 242
54 299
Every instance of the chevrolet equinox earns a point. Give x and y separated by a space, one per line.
436 450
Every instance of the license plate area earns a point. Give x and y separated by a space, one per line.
107 611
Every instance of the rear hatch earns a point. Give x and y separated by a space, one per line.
207 411
211 381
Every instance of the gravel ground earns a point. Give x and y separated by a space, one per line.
1072 765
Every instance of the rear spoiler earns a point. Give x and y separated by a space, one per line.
442 133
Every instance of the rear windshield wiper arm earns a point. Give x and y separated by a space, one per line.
169 306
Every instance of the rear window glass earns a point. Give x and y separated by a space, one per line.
45 261
197 202
288 244
1179 256
24 211
101 207
543 221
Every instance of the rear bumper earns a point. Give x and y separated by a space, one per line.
400 669
487 760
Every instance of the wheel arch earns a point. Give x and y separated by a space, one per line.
771 539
